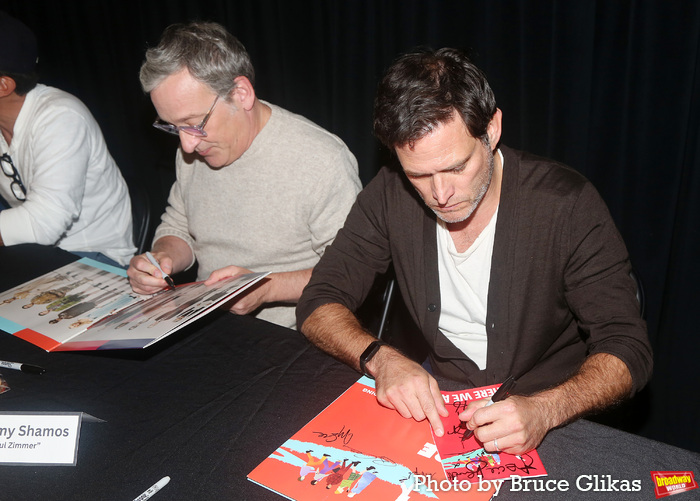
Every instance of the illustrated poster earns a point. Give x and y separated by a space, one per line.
357 448
467 460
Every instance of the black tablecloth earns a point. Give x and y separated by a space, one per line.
209 403
205 408
20 263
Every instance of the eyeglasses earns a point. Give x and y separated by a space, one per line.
192 130
8 168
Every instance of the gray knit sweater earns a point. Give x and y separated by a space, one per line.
275 209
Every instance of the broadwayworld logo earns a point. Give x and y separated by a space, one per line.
672 482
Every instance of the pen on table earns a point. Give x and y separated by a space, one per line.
153 489
18 366
155 263
501 394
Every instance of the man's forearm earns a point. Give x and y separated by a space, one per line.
334 329
401 383
287 286
520 423
603 380
177 249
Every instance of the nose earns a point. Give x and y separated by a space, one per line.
442 189
189 142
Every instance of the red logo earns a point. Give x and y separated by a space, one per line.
672 482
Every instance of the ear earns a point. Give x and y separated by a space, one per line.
243 95
494 129
7 86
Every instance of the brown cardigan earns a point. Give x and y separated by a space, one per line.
559 289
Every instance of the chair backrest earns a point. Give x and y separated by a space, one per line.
395 324
141 213
640 292
387 300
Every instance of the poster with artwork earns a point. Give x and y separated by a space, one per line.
355 448
87 305
465 459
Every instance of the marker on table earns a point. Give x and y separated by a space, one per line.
18 366
155 263
153 489
501 394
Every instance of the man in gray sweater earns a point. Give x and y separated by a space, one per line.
258 188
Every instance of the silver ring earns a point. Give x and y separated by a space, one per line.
495 444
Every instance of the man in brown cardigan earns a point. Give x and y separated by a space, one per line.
510 264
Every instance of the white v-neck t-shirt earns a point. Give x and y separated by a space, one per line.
464 287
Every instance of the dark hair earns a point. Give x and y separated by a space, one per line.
210 53
24 82
423 89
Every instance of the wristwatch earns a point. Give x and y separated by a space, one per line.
367 355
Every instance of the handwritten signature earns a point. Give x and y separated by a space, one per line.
460 406
344 435
480 466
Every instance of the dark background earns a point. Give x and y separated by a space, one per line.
611 88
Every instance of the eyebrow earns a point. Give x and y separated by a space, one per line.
181 120
191 116
449 168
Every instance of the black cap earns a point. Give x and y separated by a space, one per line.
18 52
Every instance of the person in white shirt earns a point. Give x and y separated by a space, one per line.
60 186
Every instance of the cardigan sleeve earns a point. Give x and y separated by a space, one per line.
600 291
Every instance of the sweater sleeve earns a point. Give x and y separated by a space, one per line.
334 193
174 220
600 291
350 264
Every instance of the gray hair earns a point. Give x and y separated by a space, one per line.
210 53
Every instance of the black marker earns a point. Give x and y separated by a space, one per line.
18 366
501 394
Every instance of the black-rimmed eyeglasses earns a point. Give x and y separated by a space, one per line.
8 168
192 130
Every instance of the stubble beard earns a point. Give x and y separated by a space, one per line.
485 183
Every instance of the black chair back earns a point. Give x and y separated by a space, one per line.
141 213
640 292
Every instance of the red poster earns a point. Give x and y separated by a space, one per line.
357 448
466 460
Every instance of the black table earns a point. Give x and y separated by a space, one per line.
209 403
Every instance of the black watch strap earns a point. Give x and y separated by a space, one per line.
367 355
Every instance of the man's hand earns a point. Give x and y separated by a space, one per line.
172 253
251 299
144 277
517 424
402 384
405 386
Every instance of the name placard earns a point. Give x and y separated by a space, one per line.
38 438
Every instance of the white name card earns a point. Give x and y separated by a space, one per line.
39 438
